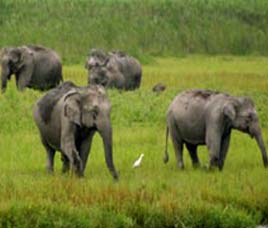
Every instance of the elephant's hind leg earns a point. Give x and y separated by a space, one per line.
178 145
50 156
193 153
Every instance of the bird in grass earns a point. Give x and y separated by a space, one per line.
137 163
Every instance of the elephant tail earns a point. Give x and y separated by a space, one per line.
166 157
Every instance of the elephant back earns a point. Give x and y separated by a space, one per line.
48 101
131 69
47 68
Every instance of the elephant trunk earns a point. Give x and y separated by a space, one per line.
5 76
106 134
256 133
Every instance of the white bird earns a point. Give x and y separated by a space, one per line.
137 163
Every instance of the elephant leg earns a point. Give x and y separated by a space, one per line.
193 153
21 81
73 156
50 156
65 163
224 149
84 150
213 142
177 145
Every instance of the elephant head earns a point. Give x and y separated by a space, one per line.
108 74
99 76
89 108
18 61
96 58
243 117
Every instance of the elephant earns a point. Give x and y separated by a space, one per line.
34 67
67 117
205 117
113 70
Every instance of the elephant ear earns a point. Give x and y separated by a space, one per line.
26 66
25 56
229 111
72 108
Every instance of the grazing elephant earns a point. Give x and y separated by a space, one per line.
34 67
200 117
113 70
67 118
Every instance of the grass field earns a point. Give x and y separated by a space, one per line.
155 195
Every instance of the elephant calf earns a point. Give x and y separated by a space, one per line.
113 70
67 118
200 117
34 67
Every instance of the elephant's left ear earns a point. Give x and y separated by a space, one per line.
72 108
26 56
73 113
229 111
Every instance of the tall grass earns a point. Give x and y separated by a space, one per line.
155 195
142 28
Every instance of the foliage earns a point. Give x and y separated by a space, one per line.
142 28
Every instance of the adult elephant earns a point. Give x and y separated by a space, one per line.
199 117
113 70
67 118
34 67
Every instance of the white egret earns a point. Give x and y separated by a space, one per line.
137 163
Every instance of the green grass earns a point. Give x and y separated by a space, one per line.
142 28
155 195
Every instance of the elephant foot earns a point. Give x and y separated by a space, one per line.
79 174
180 166
220 166
212 167
196 165
65 167
265 163
50 170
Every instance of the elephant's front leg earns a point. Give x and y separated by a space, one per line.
84 149
193 153
68 148
65 163
224 149
213 142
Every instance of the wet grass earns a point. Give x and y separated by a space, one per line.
155 195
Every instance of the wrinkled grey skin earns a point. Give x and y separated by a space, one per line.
113 70
33 66
67 118
200 117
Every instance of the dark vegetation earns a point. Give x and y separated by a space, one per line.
141 28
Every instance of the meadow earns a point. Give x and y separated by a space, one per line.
155 194
212 44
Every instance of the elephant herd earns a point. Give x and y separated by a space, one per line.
68 116
40 68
